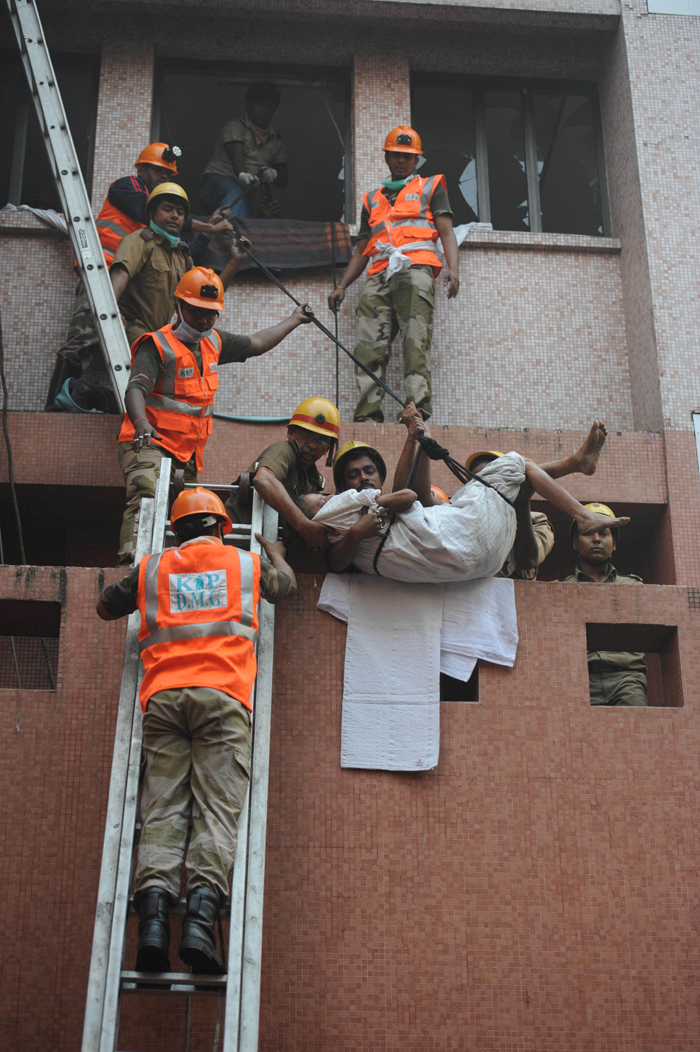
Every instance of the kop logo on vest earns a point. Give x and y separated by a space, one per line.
197 591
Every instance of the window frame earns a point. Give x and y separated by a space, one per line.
26 107
527 88
281 73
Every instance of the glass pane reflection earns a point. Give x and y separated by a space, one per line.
444 119
506 159
567 164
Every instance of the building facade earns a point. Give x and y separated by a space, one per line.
538 891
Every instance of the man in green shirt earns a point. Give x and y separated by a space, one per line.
287 470
615 678
399 227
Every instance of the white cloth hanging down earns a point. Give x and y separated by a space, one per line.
479 620
466 539
391 687
47 215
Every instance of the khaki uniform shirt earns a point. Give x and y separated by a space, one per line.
258 155
611 660
282 460
154 270
544 534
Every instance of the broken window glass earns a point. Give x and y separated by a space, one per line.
194 104
444 119
506 160
567 164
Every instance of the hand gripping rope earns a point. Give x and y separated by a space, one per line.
429 446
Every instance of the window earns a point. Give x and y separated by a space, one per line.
29 634
658 644
193 101
25 174
521 156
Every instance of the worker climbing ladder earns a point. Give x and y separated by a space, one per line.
73 195
109 979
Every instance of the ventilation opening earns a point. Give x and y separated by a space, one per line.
452 689
659 644
645 546
29 635
63 525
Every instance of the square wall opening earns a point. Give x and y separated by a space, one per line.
29 639
453 689
645 547
658 644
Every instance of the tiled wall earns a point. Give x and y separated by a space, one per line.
535 893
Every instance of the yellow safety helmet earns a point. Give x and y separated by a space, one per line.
601 509
341 456
169 190
319 415
492 454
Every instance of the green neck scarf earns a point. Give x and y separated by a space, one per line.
395 184
172 239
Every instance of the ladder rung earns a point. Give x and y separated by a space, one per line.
172 983
213 485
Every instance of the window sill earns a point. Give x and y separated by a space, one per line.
27 223
542 242
523 241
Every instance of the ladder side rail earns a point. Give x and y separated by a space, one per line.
257 824
114 821
112 1002
71 189
239 881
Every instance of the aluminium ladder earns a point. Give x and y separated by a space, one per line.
108 977
71 191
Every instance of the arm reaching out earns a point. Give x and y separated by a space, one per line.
273 493
276 552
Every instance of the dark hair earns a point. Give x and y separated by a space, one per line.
263 91
302 503
196 526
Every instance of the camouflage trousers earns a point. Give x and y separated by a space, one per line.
196 746
141 471
81 341
618 688
403 303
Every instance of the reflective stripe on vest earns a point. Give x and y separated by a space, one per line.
402 233
200 629
180 649
184 388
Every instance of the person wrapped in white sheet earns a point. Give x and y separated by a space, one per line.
468 538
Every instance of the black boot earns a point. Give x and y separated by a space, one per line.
198 942
63 370
154 931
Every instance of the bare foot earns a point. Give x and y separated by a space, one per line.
591 522
589 453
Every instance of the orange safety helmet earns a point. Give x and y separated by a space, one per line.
403 139
319 415
201 287
199 501
439 495
161 155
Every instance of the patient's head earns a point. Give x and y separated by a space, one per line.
311 503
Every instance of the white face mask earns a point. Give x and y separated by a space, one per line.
184 332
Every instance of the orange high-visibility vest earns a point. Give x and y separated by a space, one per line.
408 224
199 619
182 404
112 225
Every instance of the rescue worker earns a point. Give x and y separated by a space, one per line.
399 226
534 538
170 394
249 153
615 678
123 212
287 470
199 619
149 263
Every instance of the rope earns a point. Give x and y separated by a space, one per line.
430 446
335 312
15 504
188 1012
